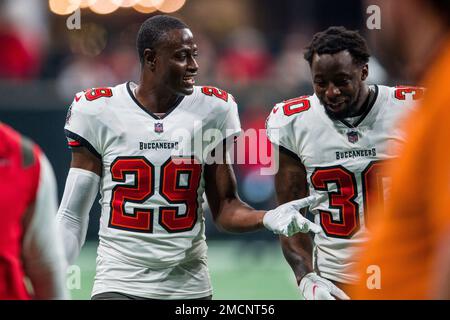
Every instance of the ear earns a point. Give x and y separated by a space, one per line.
365 72
150 58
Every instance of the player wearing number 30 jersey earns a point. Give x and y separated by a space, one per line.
335 142
148 148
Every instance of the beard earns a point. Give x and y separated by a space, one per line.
347 112
340 115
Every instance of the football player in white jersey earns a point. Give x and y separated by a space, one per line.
335 142
143 146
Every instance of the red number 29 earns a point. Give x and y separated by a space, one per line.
178 185
212 91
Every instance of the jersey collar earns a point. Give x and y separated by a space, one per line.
133 97
366 112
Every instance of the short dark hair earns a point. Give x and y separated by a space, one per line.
337 39
153 30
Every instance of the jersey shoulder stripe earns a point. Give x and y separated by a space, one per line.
75 140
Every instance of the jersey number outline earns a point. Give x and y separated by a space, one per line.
344 197
401 92
213 91
143 187
296 105
95 93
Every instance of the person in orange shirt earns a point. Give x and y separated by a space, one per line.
409 254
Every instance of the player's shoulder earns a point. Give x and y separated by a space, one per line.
215 98
289 110
93 101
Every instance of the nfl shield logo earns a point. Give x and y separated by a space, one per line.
159 127
352 136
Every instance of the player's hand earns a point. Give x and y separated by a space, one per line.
314 287
287 220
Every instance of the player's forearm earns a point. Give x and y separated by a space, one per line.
297 251
73 214
236 216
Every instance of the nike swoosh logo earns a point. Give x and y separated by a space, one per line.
275 110
77 98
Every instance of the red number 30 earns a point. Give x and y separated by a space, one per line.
416 92
347 223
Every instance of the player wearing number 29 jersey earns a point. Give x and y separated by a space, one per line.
151 204
153 149
342 158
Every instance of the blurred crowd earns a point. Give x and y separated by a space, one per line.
237 52
39 49
37 45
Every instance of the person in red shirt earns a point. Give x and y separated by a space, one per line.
30 246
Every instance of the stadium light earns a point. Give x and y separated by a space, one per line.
63 7
125 3
151 3
169 6
142 9
86 3
104 7
147 6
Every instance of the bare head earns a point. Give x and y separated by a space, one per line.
339 67
167 52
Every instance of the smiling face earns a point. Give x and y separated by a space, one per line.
173 62
338 83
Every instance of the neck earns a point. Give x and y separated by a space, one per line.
154 98
362 102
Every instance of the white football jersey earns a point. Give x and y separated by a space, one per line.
153 181
342 158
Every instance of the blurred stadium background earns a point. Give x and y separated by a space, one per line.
251 48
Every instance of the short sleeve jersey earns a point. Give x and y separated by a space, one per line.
153 169
344 159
